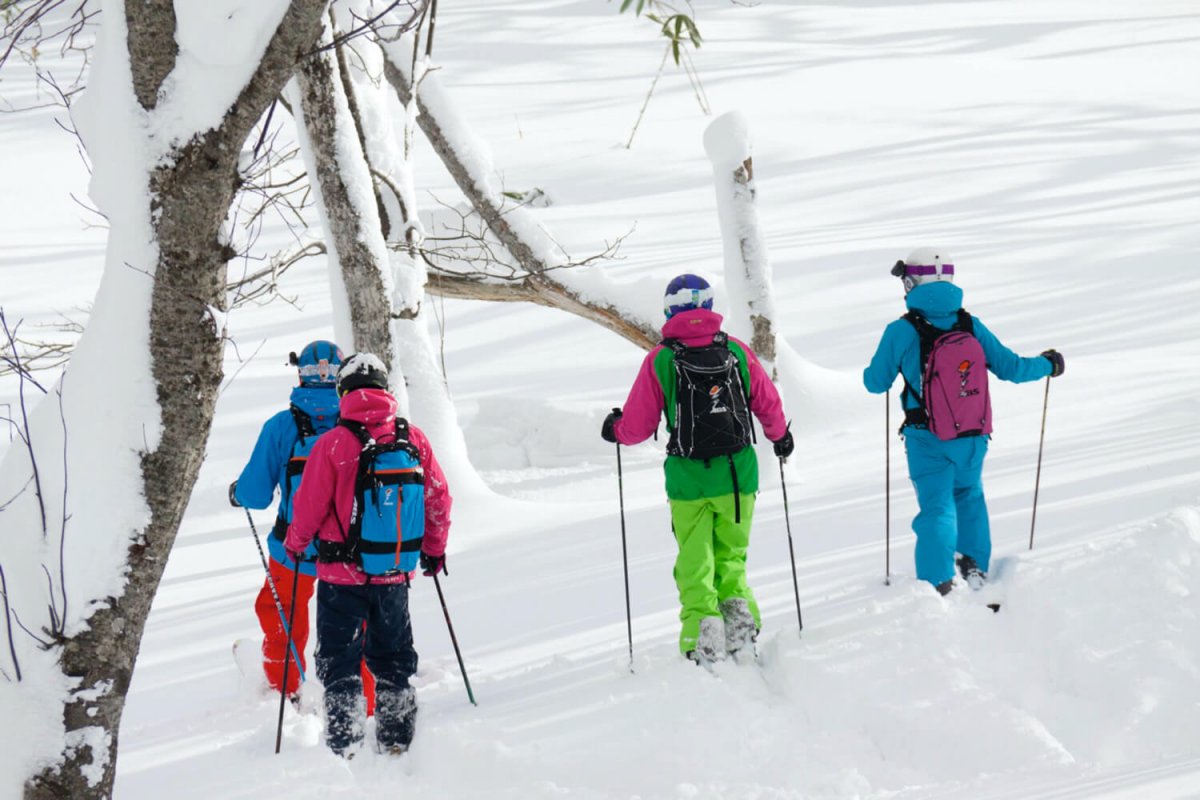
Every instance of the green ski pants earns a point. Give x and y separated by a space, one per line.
711 566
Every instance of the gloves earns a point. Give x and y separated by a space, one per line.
432 565
606 430
1057 364
233 495
296 558
785 444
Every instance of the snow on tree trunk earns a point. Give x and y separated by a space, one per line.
587 292
385 287
747 266
119 444
349 214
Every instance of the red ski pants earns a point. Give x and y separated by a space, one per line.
275 643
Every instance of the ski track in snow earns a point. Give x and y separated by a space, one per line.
1060 169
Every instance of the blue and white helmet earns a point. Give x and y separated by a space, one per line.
318 364
685 293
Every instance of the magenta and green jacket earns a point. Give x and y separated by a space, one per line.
653 393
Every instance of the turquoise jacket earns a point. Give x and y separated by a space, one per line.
279 442
899 350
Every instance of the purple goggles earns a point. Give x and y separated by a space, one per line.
947 269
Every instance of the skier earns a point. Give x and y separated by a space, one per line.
711 468
277 461
363 577
946 432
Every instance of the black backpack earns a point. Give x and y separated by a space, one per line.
712 402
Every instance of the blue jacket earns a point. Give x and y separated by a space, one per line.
899 350
278 442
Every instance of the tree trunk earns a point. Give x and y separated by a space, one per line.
190 193
747 266
338 171
384 287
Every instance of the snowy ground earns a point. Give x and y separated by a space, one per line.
1052 146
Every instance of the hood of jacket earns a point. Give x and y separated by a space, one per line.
320 404
374 408
693 328
939 302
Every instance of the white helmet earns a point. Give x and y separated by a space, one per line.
924 265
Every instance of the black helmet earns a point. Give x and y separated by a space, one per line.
361 371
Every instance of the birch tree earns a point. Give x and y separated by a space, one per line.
175 90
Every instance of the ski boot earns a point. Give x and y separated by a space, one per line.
971 573
741 631
710 643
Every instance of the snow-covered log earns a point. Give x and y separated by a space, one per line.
586 293
747 265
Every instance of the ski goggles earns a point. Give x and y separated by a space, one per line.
320 373
919 270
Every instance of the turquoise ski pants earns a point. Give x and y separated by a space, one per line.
953 515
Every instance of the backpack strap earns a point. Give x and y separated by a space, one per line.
674 345
358 429
304 422
306 430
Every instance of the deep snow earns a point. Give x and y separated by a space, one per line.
1052 148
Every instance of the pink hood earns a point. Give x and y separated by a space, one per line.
695 328
322 504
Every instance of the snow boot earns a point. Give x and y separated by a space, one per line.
741 631
710 643
395 718
944 587
345 718
972 574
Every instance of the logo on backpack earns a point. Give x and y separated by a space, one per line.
954 402
712 408
387 520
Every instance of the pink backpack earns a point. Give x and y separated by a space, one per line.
956 402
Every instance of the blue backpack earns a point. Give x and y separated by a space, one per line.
387 522
306 438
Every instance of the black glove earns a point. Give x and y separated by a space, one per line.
432 565
1057 364
233 495
606 430
785 444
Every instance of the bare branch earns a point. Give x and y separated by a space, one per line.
12 648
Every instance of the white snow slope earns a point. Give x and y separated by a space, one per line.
1052 147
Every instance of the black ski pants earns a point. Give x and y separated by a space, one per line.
366 622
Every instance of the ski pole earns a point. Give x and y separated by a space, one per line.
287 662
1038 480
287 628
454 640
887 489
791 549
625 555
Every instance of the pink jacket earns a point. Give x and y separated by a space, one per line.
327 488
695 328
